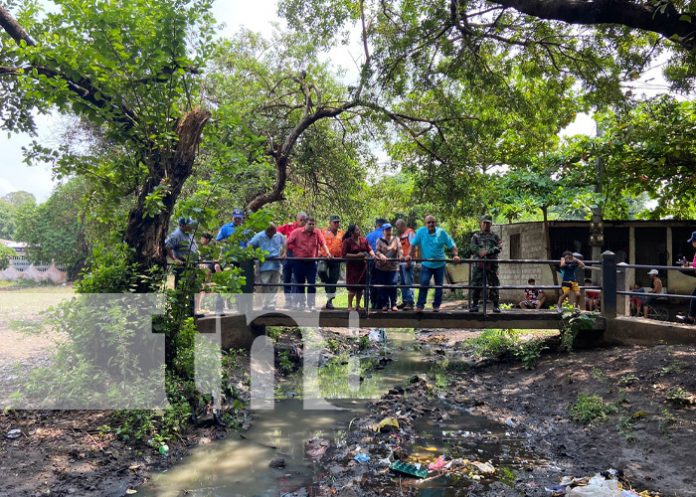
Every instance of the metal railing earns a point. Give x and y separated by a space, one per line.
614 278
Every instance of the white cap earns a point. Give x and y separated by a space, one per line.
653 272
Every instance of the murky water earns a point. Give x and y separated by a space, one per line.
240 467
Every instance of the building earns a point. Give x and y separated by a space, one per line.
21 268
658 243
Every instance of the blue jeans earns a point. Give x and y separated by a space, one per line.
305 272
406 278
425 275
386 297
287 275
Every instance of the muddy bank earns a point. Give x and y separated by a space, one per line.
644 426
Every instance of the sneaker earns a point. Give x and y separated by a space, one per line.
329 306
496 309
419 309
473 308
401 305
685 319
407 307
436 309
559 308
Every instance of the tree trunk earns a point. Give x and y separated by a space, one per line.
145 235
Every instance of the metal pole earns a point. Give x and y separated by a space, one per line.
609 284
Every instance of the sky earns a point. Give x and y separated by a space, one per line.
259 16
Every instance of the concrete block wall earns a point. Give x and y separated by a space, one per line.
533 246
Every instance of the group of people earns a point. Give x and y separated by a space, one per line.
569 264
385 258
384 261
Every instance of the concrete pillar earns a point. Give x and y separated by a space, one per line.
609 284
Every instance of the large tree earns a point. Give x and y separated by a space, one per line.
129 72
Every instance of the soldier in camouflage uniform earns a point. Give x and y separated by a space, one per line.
486 245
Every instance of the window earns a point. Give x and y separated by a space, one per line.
515 246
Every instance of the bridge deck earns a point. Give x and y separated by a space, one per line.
448 319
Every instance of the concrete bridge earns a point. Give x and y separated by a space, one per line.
239 329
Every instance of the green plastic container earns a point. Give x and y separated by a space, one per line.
408 469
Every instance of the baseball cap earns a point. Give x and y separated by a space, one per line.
334 218
187 221
653 272
386 226
578 255
486 219
693 237
237 213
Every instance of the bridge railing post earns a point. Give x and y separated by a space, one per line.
485 285
609 284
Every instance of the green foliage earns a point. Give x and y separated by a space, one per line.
590 408
574 323
529 352
494 343
286 365
680 396
54 229
10 206
645 150
5 254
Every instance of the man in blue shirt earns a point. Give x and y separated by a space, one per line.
375 235
227 230
372 238
432 242
273 245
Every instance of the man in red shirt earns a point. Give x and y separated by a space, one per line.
306 242
285 230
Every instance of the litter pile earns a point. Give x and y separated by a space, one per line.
606 484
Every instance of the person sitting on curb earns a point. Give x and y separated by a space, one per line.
655 287
534 298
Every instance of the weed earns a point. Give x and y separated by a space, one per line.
529 352
572 325
667 419
507 476
626 428
441 381
286 365
333 345
628 379
507 307
675 367
364 342
679 396
598 374
589 408
273 332
494 343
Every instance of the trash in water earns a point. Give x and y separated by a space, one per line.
510 422
377 335
438 464
362 458
409 469
387 425
12 434
164 450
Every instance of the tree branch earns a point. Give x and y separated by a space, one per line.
663 19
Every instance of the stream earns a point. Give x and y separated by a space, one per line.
239 465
